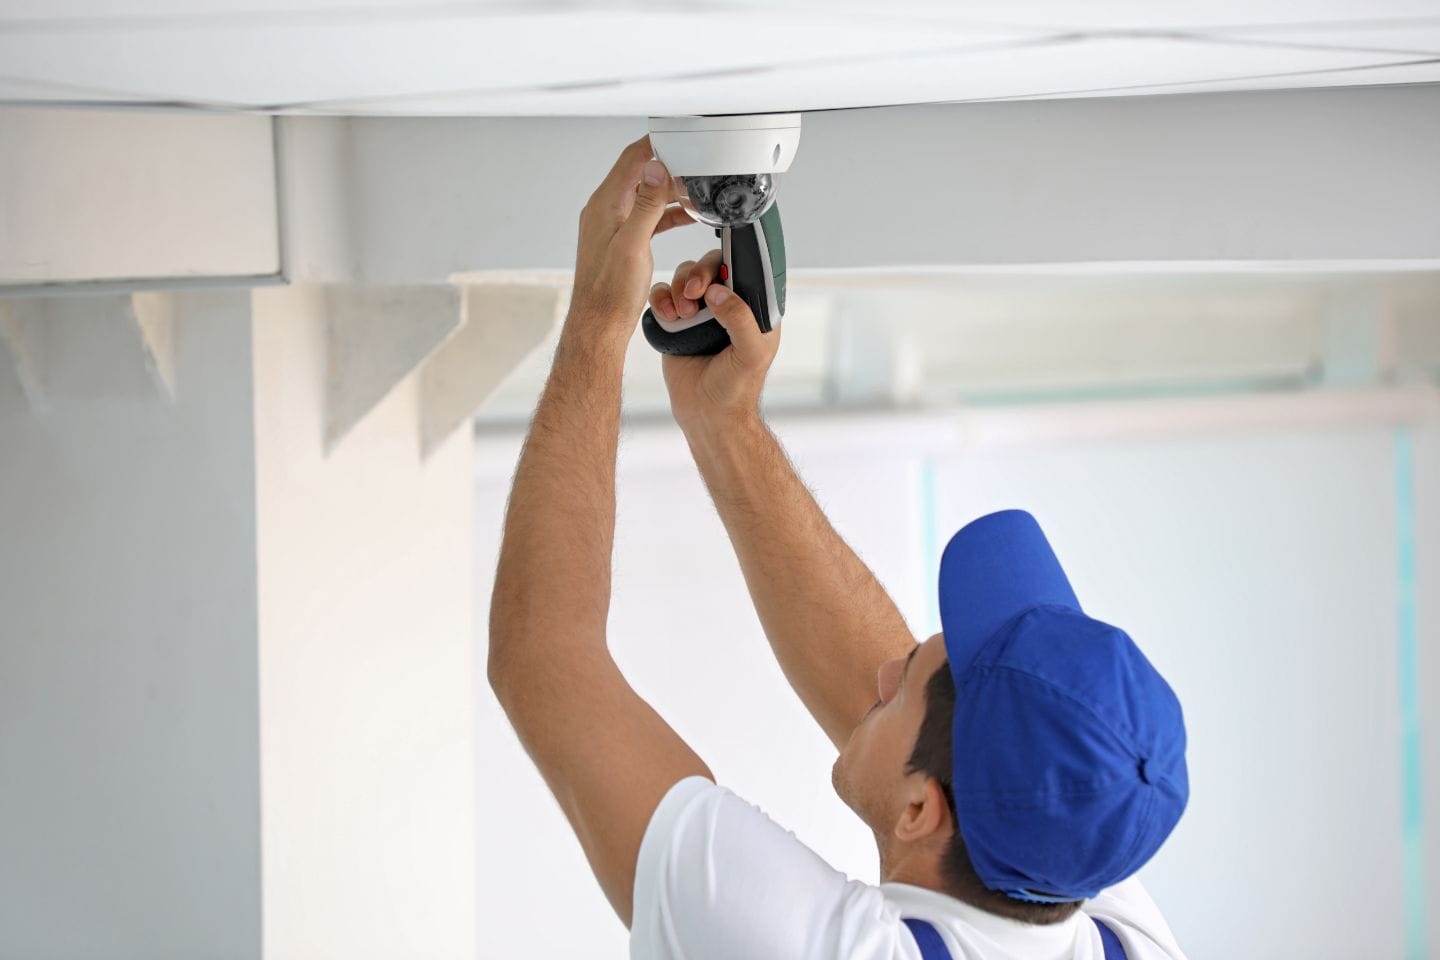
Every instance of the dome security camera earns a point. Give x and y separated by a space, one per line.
728 168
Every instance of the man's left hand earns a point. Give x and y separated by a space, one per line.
613 264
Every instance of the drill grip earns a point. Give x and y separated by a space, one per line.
751 254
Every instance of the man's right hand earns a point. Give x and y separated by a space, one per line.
829 621
716 391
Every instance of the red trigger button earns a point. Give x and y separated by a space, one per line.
724 273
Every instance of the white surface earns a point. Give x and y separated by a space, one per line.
596 58
129 726
1325 176
1413 71
365 618
22 386
235 675
1420 37
1101 14
983 338
502 326
319 227
1217 15
92 195
273 62
754 143
1427 585
1254 564
996 71
375 337
1258 573
69 350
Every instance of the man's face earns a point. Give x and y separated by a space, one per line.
869 774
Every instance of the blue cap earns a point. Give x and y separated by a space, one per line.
1068 746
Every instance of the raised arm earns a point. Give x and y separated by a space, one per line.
605 754
829 621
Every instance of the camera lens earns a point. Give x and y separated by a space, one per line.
729 200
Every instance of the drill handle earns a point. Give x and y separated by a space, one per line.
753 265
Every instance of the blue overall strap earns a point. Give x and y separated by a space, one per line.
931 946
1113 948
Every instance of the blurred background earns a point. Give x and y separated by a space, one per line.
279 286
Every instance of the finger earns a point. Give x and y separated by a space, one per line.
690 281
752 348
672 218
701 275
650 204
682 273
687 306
661 302
627 171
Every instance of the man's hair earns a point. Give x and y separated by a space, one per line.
932 756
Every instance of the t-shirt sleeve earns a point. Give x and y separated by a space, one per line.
716 878
1128 910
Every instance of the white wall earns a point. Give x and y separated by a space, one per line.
365 560
1258 573
129 753
1427 635
1253 557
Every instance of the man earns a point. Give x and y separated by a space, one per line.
1016 770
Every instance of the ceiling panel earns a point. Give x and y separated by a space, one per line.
1420 37
25 91
99 12
1426 72
1095 15
1041 14
1041 70
571 57
278 63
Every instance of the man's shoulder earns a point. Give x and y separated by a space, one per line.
1128 909
717 877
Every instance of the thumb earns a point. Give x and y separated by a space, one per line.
752 347
650 201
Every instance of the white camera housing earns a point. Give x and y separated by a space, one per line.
710 146
726 171
726 168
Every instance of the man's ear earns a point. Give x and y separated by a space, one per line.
926 813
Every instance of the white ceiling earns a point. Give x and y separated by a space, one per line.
625 59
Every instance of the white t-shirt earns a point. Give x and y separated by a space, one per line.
717 879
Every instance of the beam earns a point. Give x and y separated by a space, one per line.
375 338
22 352
1358 348
502 324
82 349
126 196
319 227
154 315
1281 178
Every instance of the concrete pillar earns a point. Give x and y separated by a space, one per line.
236 649
364 603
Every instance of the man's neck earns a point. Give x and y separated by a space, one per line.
912 867
920 868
